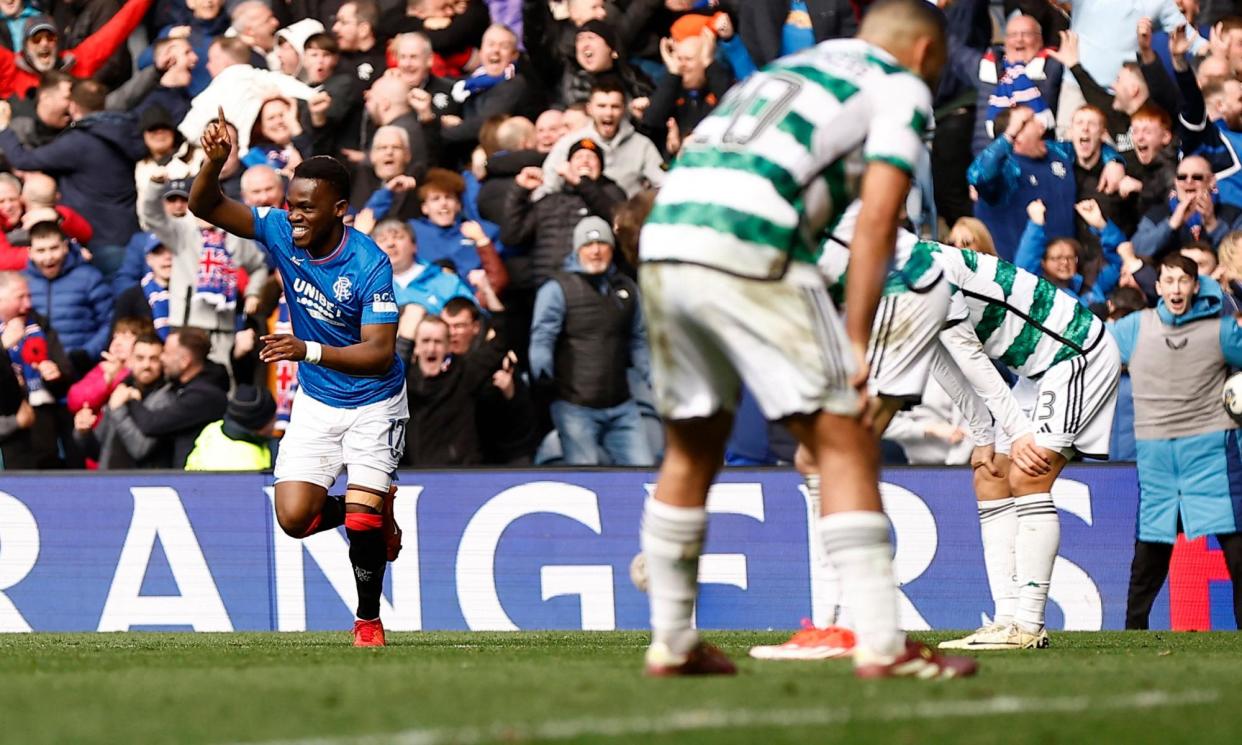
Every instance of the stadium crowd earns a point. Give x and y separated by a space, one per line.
503 154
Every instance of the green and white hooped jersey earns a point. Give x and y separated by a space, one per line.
1022 320
915 266
779 160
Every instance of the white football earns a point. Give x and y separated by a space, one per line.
638 572
1231 395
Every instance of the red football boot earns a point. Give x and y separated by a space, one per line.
368 633
918 661
704 659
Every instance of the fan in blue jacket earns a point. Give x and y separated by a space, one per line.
1057 260
71 294
1019 167
93 163
415 280
1195 212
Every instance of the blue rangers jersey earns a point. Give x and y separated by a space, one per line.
330 300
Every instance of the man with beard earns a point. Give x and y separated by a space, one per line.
630 159
41 49
110 435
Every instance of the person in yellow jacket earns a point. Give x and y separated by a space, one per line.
241 440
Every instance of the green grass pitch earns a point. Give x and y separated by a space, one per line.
584 687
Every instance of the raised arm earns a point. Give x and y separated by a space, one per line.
207 199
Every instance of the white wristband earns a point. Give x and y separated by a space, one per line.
314 352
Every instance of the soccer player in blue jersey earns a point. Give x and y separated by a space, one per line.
350 411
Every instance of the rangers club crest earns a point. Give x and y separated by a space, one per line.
341 288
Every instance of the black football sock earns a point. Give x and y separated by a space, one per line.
368 554
330 517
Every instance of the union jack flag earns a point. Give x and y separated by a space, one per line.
284 374
216 280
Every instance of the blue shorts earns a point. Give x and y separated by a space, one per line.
1198 477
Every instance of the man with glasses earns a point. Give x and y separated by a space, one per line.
1195 212
1057 259
1020 72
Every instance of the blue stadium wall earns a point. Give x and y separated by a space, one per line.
530 550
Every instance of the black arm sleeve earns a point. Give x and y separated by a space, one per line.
11 392
196 406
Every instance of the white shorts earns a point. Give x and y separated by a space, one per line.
903 341
1025 392
711 331
1074 405
321 440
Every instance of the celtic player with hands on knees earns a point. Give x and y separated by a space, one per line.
350 411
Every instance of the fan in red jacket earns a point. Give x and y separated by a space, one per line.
41 49
24 205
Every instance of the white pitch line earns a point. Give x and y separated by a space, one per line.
707 719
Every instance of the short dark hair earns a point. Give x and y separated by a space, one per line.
195 340
327 169
89 95
1178 260
52 80
394 223
323 41
149 337
1071 242
1126 300
1001 122
45 229
458 304
162 44
607 84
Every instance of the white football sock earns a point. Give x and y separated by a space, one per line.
672 539
812 488
828 584
857 545
1035 552
998 526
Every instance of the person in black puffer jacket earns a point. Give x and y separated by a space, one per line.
587 332
548 224
443 391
